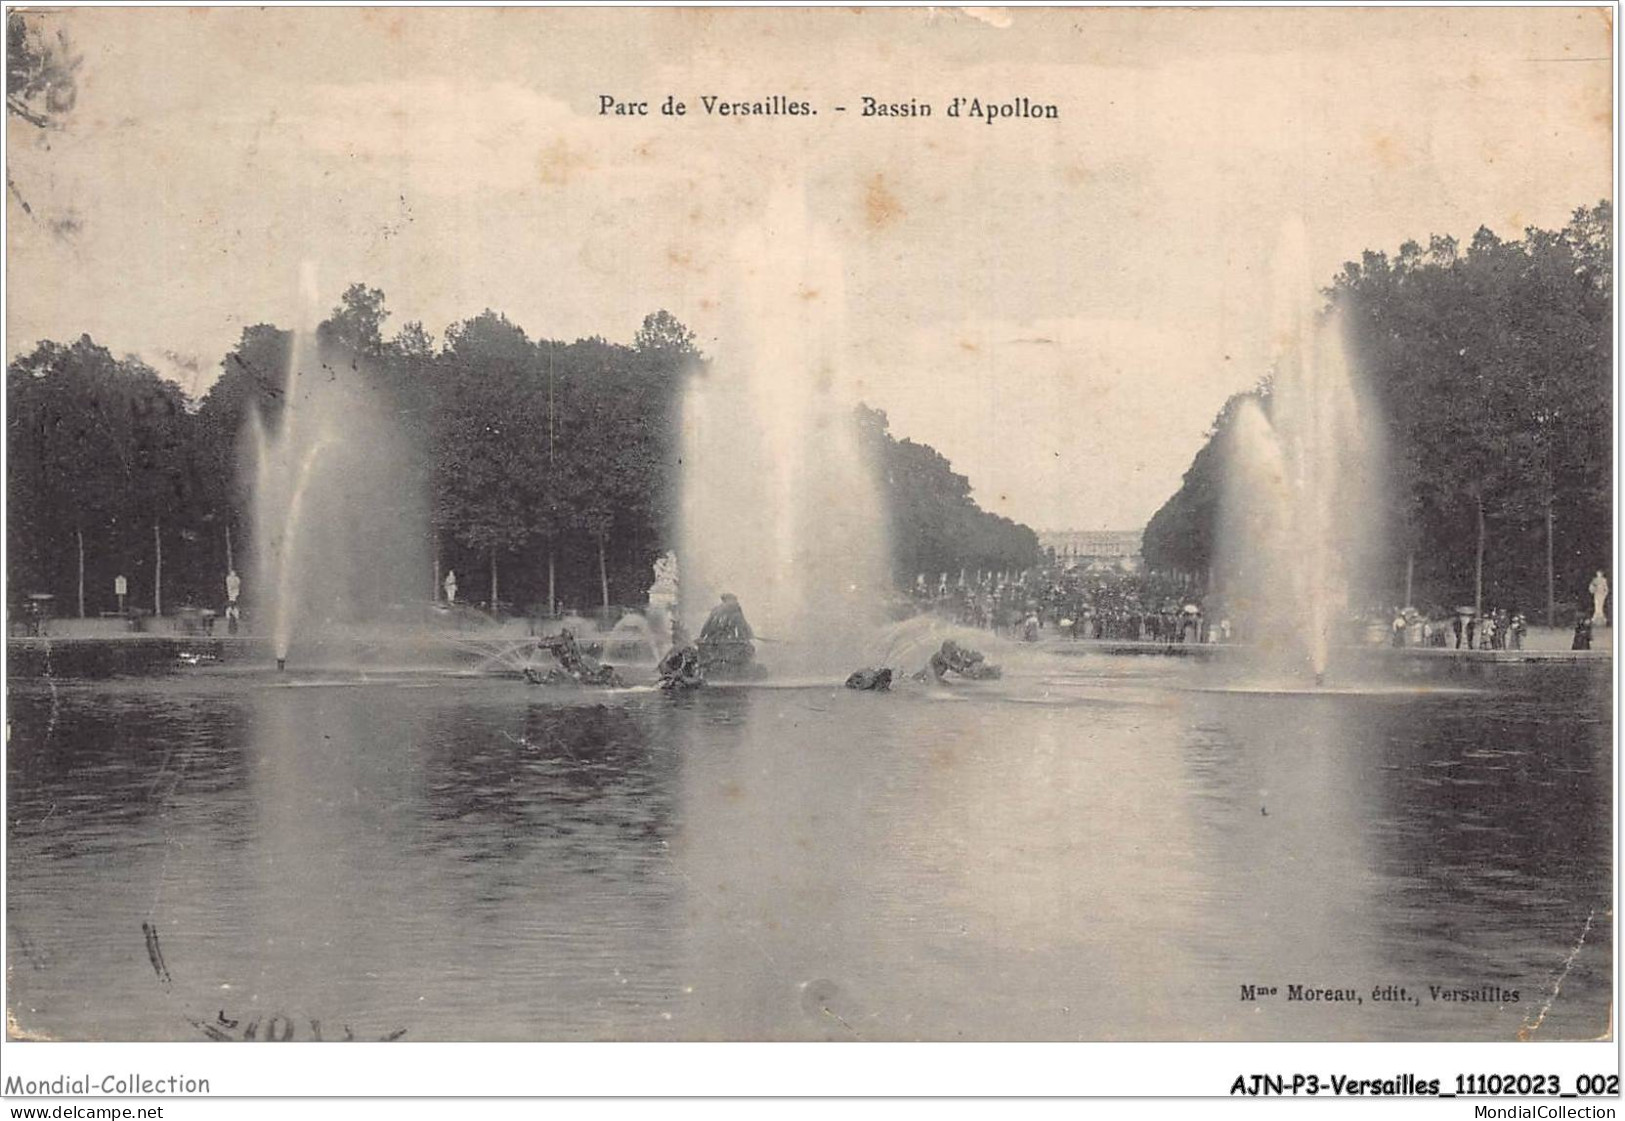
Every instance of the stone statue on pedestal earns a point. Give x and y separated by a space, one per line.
663 594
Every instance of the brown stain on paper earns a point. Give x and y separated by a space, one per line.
557 163
1387 152
393 26
881 207
17 1033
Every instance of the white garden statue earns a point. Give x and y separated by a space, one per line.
663 594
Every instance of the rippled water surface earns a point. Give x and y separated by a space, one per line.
1091 848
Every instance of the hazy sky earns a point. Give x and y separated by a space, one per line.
1060 307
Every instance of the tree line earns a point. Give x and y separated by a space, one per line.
1490 370
549 467
936 526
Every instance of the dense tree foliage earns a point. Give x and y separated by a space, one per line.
1181 539
103 478
935 525
1490 370
547 465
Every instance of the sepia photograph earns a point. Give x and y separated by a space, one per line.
809 525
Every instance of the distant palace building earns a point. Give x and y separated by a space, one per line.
1094 549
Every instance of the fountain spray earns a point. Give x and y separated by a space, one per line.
780 499
340 517
1300 523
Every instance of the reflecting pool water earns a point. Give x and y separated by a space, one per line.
1091 848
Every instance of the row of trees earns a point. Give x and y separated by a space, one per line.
936 526
1490 371
548 466
100 476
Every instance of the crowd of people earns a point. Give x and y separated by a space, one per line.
1120 606
1500 629
1071 603
1076 604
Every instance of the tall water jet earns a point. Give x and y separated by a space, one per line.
1301 523
780 503
339 510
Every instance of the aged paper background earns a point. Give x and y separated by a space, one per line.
1059 303
997 275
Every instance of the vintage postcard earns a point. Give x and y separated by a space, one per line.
810 524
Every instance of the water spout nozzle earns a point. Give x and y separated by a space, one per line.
281 664
1320 679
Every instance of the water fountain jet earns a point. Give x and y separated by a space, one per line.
780 500
1300 525
340 525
